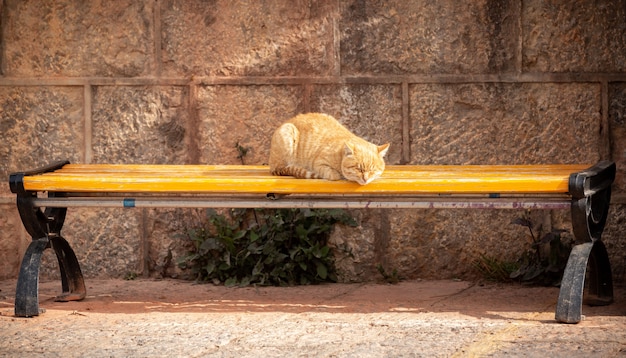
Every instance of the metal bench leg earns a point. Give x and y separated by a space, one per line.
71 276
45 228
591 194
599 277
589 260
27 291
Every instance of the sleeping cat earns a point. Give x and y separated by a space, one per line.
315 145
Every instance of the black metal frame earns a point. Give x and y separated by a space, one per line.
590 192
44 226
589 260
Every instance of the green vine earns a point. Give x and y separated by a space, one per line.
264 247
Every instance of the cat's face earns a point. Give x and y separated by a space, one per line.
363 165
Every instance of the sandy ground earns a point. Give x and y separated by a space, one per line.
170 318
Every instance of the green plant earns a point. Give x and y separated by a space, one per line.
242 152
264 246
129 276
392 277
545 261
494 269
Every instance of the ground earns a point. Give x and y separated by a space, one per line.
172 318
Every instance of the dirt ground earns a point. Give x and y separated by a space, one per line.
171 318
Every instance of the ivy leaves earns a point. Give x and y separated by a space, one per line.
264 246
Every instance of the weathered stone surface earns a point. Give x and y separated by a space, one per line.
247 38
247 115
78 38
436 243
505 123
586 36
371 112
107 242
613 238
167 241
356 250
323 44
39 125
422 37
13 241
140 124
617 124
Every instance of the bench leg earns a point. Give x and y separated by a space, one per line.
591 195
72 280
45 227
586 261
27 291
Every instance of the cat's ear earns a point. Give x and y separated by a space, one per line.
348 150
382 149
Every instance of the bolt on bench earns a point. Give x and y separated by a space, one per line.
585 190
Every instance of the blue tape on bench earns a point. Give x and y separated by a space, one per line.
494 195
129 203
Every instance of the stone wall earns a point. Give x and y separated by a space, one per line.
182 82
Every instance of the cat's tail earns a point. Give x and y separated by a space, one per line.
298 172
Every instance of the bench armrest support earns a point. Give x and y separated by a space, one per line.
591 196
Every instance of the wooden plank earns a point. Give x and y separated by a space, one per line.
256 179
264 175
390 172
116 168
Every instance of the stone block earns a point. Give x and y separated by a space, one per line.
108 243
422 37
13 241
247 115
140 124
373 112
447 243
614 238
585 36
39 125
219 38
356 250
500 123
617 124
167 241
435 244
78 38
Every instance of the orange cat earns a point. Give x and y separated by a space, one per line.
315 145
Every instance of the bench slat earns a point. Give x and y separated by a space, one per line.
244 169
263 171
473 179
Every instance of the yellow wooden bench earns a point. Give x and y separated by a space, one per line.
583 188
